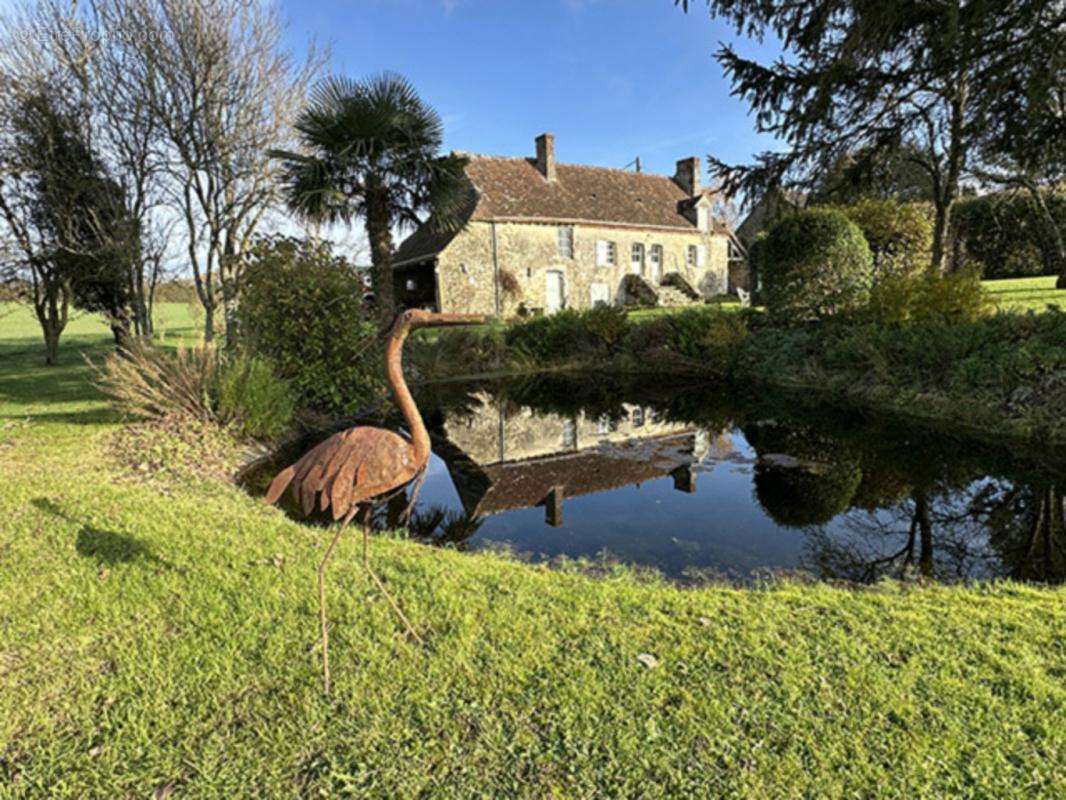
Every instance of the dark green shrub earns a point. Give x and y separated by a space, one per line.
302 310
1003 234
253 399
452 352
816 263
707 338
607 324
900 235
568 335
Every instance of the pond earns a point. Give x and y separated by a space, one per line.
699 483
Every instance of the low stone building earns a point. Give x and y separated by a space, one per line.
540 236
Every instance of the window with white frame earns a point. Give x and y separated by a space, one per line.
692 255
566 242
606 255
638 417
636 259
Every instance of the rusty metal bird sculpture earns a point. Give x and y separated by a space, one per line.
356 466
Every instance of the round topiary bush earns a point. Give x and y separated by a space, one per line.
815 263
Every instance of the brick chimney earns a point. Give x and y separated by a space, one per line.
546 156
688 175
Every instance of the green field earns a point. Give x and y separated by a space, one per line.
1014 294
159 631
1023 294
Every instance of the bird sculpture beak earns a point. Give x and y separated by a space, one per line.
434 320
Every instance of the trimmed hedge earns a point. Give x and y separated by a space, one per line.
815 263
1003 235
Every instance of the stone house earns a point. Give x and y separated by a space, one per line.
539 236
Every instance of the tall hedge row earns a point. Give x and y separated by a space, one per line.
1003 234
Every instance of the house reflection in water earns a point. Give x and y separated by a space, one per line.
501 458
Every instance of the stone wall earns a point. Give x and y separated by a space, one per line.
465 271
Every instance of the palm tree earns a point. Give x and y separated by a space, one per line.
371 150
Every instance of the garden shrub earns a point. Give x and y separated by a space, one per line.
705 337
568 335
200 384
452 352
148 382
253 399
607 324
957 296
302 310
1003 234
816 263
900 235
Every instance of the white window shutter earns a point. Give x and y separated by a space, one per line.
701 256
601 253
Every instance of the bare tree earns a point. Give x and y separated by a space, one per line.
223 90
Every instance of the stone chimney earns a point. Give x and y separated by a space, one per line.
546 156
688 175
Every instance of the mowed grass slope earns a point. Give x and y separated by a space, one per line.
163 634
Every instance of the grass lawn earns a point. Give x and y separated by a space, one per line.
1014 294
161 633
1024 294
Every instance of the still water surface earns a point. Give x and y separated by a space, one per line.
697 483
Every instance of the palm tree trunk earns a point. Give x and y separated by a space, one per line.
379 233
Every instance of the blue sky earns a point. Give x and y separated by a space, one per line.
612 79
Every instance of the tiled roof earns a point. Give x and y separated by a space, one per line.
513 189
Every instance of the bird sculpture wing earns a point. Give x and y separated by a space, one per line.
347 469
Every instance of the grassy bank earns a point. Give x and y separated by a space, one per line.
158 631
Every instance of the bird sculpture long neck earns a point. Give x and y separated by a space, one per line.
406 403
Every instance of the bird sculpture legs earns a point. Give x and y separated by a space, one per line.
373 576
416 488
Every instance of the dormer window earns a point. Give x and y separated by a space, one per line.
566 242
